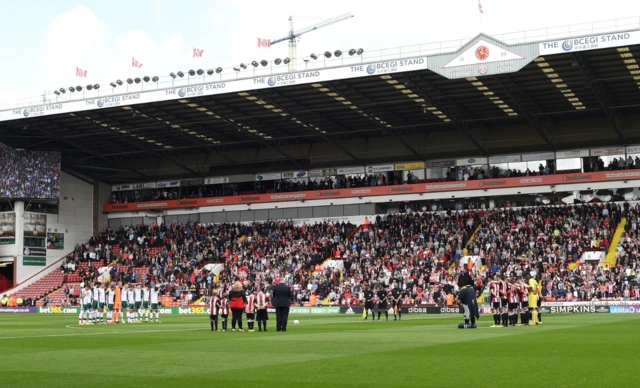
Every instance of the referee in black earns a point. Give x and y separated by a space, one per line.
396 295
368 302
382 302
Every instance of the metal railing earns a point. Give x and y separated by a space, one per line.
306 63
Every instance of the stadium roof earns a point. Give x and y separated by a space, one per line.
485 98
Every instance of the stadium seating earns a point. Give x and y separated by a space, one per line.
418 251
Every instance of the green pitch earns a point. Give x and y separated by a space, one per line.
323 351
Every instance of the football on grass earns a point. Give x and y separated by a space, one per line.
296 322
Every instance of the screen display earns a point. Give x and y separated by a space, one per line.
29 174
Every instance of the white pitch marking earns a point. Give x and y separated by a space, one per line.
101 333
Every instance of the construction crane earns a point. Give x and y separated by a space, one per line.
295 35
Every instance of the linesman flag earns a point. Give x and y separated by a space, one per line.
264 42
480 7
197 53
135 63
81 73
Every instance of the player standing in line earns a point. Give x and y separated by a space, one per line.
397 303
539 299
123 302
368 302
214 309
533 298
504 302
87 298
514 303
523 290
101 303
111 297
496 305
382 303
262 315
131 303
138 309
94 304
251 311
155 303
145 303
116 302
224 310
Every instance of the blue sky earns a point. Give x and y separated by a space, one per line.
42 41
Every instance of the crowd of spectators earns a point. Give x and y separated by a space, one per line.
416 251
29 174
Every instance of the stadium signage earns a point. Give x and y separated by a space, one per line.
633 309
323 173
216 180
108 102
409 166
441 164
59 310
225 86
271 176
288 79
17 310
390 66
194 91
350 170
192 182
41 110
7 228
295 175
379 168
594 303
590 42
382 190
575 309
162 185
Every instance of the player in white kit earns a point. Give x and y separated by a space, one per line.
101 303
131 302
123 302
87 299
137 314
145 303
154 296
94 304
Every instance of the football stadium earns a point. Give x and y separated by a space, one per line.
434 215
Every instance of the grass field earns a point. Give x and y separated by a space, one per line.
598 350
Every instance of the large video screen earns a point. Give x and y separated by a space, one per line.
29 174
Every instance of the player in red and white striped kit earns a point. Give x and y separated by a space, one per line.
496 305
523 291
514 303
214 308
262 316
250 309
224 310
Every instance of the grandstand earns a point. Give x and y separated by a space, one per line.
522 155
